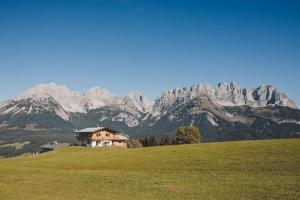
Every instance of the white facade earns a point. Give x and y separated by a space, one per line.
93 143
104 143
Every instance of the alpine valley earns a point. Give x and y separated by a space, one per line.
222 112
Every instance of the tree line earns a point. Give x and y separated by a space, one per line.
184 135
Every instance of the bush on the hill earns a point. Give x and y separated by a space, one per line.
188 135
133 143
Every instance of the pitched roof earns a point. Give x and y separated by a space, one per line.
121 137
90 130
95 129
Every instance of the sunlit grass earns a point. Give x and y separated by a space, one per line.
233 170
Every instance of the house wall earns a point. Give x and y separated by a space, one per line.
101 139
93 143
81 142
120 144
84 137
103 135
104 143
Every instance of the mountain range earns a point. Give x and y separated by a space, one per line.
222 112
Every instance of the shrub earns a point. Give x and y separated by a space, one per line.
133 143
187 135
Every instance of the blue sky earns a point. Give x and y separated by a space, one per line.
149 46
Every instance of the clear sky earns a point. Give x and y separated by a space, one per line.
149 46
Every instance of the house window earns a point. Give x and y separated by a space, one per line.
107 134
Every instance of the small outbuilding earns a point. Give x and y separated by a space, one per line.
52 146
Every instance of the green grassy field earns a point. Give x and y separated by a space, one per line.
234 170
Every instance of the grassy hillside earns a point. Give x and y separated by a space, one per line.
234 170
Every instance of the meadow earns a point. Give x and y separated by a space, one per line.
266 169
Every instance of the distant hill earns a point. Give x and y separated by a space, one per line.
222 112
233 170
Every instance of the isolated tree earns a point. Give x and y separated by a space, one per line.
133 143
188 135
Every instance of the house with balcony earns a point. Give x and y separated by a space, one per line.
101 137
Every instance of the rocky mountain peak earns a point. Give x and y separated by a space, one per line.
71 101
212 106
95 97
223 94
229 86
140 101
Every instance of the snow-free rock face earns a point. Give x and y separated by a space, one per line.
81 102
140 101
130 107
69 100
44 112
4 103
97 97
224 94
31 106
205 103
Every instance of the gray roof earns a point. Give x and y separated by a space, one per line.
94 129
90 130
121 137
